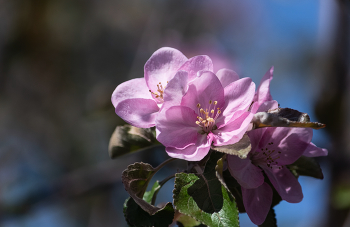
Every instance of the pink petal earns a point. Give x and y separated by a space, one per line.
257 202
263 91
162 66
255 136
291 142
177 127
195 152
234 130
238 96
201 90
138 112
175 90
313 151
247 175
135 88
227 76
264 107
285 183
195 64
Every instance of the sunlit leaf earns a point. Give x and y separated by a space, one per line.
187 221
184 203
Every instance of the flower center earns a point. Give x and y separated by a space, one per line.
158 95
267 156
206 118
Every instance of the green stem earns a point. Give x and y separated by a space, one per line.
163 164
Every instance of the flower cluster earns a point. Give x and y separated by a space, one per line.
194 108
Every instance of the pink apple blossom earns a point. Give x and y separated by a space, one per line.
207 113
138 101
272 149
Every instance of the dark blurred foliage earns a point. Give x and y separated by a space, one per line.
60 61
333 108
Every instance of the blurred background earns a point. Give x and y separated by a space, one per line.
60 61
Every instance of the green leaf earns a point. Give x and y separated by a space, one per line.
136 179
161 217
206 191
148 196
270 220
187 221
241 148
284 117
307 166
185 204
128 139
137 217
225 177
230 183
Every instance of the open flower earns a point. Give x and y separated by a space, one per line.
272 149
207 113
138 101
